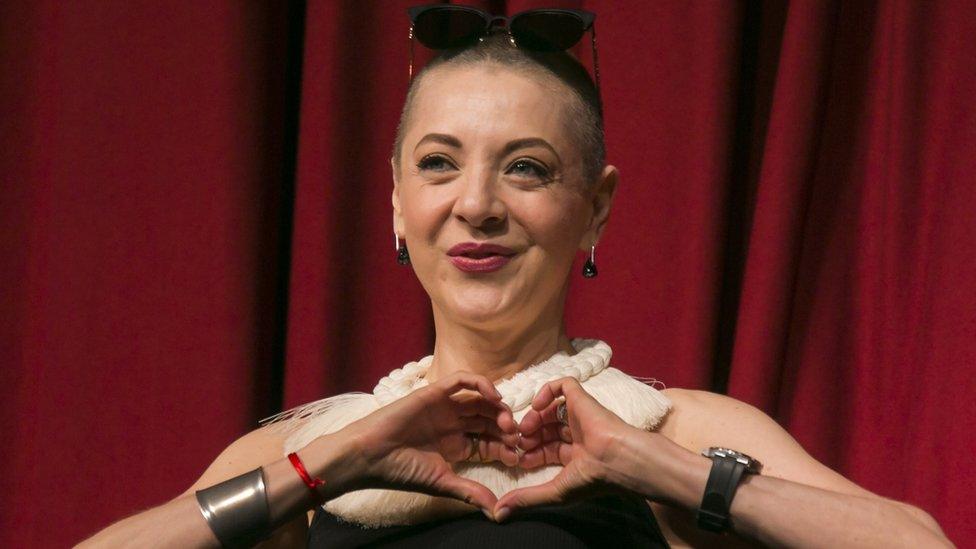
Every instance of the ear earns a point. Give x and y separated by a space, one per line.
601 200
397 216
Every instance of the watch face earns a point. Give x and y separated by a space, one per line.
752 465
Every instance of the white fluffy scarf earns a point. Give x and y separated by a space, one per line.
635 402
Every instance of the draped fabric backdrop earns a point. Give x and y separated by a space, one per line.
196 232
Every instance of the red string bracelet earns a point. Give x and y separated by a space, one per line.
312 483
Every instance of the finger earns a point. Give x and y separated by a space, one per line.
484 428
533 459
500 451
468 491
493 449
479 406
531 422
520 498
540 426
506 421
466 380
550 453
507 439
476 424
496 410
545 396
548 433
568 387
548 415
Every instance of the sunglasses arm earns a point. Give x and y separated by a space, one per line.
596 64
410 69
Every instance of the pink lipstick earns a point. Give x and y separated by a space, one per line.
473 257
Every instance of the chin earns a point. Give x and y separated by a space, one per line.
479 306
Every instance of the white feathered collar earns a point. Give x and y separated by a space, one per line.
635 402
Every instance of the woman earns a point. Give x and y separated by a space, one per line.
499 180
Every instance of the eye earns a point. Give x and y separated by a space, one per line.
435 163
528 168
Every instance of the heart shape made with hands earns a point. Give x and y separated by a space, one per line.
613 398
577 443
550 434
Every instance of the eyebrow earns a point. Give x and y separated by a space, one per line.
509 147
441 138
528 142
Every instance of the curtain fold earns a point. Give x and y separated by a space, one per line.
196 231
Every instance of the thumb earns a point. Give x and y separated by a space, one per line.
468 491
542 494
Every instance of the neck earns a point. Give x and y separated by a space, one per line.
496 354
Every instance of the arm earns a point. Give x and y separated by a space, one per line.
796 502
409 444
179 523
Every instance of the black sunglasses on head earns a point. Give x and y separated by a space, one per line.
446 26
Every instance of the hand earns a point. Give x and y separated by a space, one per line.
411 443
588 447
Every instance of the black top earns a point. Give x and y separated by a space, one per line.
606 522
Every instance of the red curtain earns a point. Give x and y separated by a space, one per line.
195 232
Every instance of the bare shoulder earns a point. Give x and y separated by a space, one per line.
256 448
701 419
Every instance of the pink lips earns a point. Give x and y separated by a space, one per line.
473 257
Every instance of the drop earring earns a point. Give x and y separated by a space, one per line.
589 268
403 256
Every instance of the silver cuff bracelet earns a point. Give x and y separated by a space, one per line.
237 510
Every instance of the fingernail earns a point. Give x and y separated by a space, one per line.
502 514
487 513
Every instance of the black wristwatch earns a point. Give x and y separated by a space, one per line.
728 467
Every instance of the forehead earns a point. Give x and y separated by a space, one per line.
490 102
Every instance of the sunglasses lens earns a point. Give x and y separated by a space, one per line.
547 31
448 27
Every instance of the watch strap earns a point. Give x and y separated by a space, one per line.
713 513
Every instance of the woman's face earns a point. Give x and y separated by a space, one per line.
487 159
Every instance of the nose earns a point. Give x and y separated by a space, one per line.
478 203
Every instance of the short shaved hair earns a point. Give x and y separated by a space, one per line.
586 112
